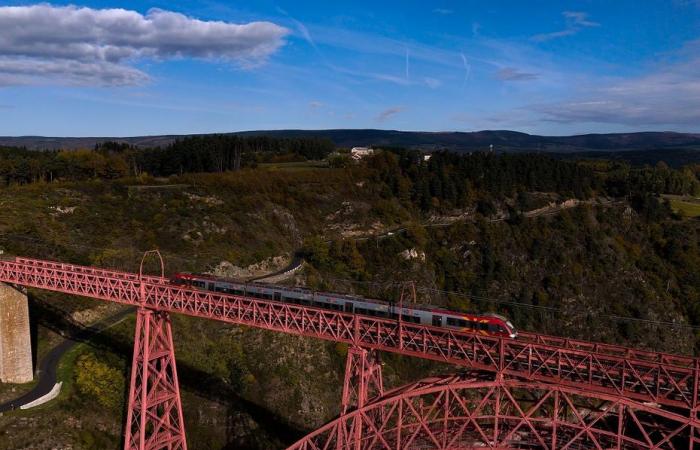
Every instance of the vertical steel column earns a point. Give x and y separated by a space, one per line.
363 381
363 378
694 407
154 415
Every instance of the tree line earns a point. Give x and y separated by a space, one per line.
449 180
110 160
446 180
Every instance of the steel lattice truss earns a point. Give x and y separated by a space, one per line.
460 413
645 376
550 392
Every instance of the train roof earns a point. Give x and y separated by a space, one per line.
409 306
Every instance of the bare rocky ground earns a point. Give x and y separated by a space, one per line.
226 269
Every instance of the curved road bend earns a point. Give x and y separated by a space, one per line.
49 363
296 261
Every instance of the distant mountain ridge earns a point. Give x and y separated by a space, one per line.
502 140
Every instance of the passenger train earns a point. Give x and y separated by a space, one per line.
486 324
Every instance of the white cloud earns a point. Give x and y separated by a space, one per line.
443 11
79 45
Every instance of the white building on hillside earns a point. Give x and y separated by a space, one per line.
357 153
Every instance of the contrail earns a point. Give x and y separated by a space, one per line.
407 64
467 70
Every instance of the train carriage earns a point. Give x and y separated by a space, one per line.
486 324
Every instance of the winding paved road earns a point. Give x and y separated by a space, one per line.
49 363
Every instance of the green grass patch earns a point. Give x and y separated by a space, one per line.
686 208
295 165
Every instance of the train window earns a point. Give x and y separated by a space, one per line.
437 321
493 328
278 296
349 307
454 322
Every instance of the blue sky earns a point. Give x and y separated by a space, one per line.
193 67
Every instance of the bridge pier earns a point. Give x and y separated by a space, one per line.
15 340
154 414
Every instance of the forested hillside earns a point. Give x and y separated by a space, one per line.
588 249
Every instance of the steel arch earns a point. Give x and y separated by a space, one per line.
459 412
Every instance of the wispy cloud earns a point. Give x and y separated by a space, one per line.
304 33
580 18
513 74
432 83
575 22
443 11
390 78
666 97
376 44
315 104
407 77
389 113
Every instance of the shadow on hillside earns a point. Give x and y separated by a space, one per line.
191 379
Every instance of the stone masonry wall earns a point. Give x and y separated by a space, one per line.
15 340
